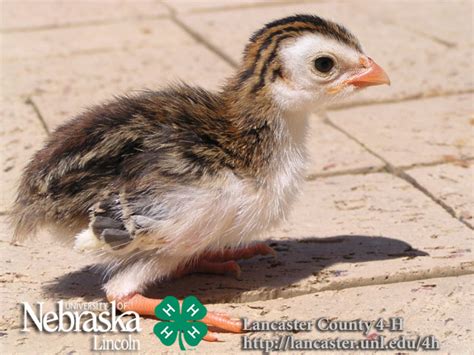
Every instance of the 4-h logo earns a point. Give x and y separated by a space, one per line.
178 324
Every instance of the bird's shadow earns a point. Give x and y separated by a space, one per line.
298 259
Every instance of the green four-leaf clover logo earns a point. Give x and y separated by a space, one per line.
180 324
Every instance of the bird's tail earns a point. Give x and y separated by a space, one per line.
25 220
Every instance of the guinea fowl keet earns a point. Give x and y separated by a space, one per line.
168 182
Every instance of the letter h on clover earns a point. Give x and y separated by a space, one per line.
178 324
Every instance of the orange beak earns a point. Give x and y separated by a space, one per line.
373 75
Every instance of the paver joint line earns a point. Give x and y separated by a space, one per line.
398 172
373 170
144 17
345 106
80 24
201 40
30 102
256 5
431 37
403 175
433 163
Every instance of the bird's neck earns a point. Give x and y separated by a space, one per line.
263 131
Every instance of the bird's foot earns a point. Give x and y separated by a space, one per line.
146 307
224 262
216 263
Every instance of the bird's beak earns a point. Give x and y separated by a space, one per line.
372 74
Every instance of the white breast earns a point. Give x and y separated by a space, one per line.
265 206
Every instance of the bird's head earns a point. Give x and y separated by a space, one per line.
304 61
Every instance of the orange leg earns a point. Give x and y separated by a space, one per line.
215 263
241 253
224 262
146 306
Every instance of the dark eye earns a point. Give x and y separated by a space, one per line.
323 64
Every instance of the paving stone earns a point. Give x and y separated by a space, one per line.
346 231
455 17
415 63
412 132
452 184
27 15
330 152
20 135
128 35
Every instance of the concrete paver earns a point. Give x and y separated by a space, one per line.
412 132
450 33
125 35
30 15
330 152
451 183
128 70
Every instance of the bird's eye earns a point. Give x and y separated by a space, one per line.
324 64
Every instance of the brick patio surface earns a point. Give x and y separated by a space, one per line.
384 227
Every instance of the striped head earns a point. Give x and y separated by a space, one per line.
304 61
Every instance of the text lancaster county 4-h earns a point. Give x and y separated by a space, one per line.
324 325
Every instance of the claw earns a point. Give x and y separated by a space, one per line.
210 337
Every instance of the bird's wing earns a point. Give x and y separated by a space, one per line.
108 224
113 222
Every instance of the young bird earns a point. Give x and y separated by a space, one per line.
168 182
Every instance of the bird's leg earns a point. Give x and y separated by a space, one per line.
217 263
224 262
146 306
240 253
